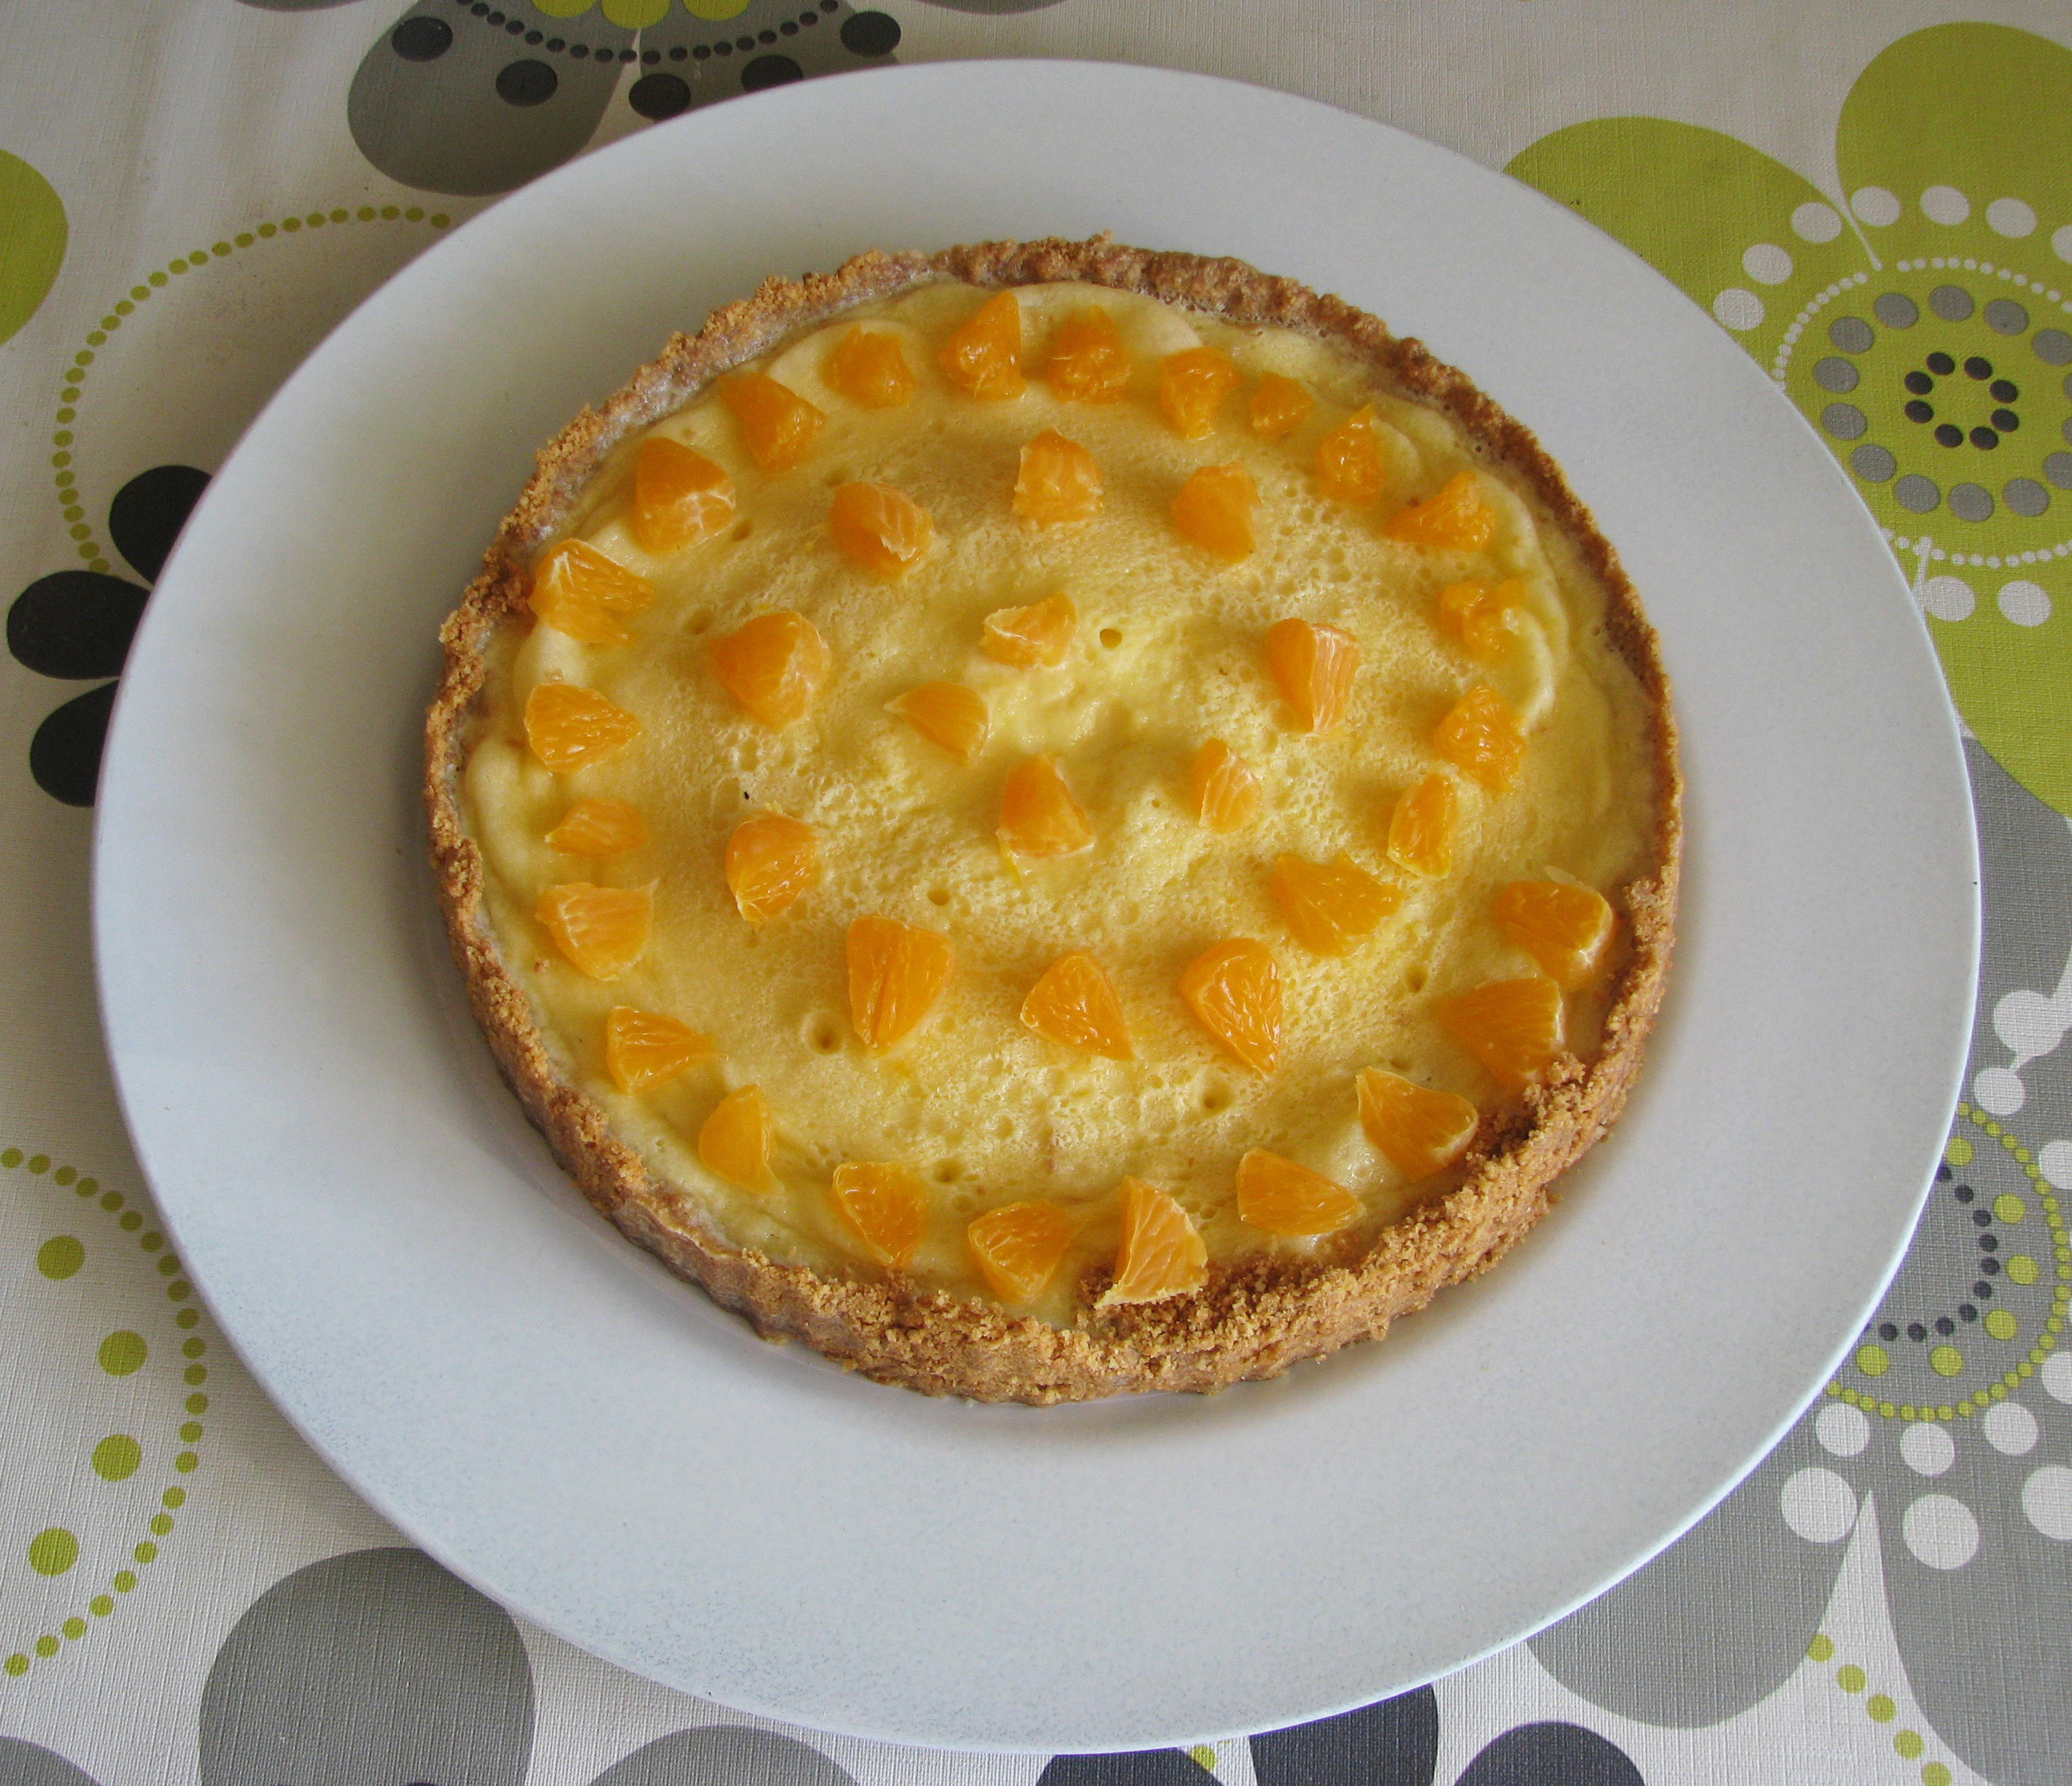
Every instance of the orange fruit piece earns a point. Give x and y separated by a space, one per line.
1483 617
870 368
1283 1198
881 528
1234 989
734 1140
1225 791
569 726
1330 906
777 425
1455 515
598 828
897 974
1420 828
983 356
1512 1027
885 1207
1017 1248
1058 481
1088 362
1279 406
601 930
1162 1254
1480 733
1349 460
1566 928
1213 509
1313 667
1074 1002
774 665
680 496
1417 1129
1038 815
642 1049
946 714
580 592
1191 387
1034 637
770 860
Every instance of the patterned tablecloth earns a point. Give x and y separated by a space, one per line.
1875 201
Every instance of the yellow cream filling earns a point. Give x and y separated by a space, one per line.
1167 655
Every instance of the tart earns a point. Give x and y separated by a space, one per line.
1052 820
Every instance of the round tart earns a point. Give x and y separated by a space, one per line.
1051 819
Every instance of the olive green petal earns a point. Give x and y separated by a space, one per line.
1981 110
2013 682
32 242
1738 233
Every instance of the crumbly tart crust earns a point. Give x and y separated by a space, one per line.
1256 1315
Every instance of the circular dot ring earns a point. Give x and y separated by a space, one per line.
1872 1360
77 529
49 1644
1909 1745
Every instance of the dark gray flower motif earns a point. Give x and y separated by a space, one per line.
27 1764
77 625
1395 1742
1955 1412
726 1755
477 96
1552 1755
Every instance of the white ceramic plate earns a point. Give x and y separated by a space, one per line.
591 1441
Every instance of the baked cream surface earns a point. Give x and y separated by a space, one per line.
1167 654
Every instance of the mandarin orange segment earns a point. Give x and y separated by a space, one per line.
602 930
1349 460
1565 928
1161 1253
1234 989
1422 826
1191 387
1213 509
1038 815
1037 637
1088 362
1223 787
885 1207
773 665
880 529
1330 906
896 975
1482 616
946 714
1017 1247
1455 515
1283 1198
770 860
1512 1027
644 1048
1480 734
869 367
1059 480
1074 1002
777 425
680 496
734 1142
582 593
983 356
570 727
1417 1129
598 828
1313 666
1279 406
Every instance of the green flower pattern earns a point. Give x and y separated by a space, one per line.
1920 318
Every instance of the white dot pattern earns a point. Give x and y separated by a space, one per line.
1945 204
2046 1499
1843 1430
1929 1449
2010 1429
1818 1505
1942 1530
1878 207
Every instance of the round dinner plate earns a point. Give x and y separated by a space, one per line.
594 1442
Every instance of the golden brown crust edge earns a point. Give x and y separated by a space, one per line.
1255 1316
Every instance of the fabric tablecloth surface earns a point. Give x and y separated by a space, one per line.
193 192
